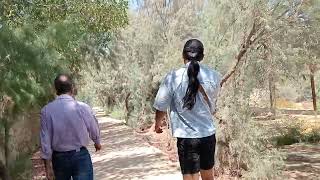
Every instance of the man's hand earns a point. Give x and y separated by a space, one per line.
98 147
48 169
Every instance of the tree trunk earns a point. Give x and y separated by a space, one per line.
224 156
176 5
4 167
128 108
272 93
313 89
6 141
4 173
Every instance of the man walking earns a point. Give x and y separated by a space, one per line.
66 126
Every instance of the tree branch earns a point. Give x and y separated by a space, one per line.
225 32
239 57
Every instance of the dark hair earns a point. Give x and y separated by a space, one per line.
63 84
192 52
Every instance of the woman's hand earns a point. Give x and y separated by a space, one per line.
160 115
158 128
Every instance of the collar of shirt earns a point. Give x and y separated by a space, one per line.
64 96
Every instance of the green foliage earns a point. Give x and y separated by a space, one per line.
245 27
294 134
151 46
18 169
139 58
30 59
26 67
39 39
92 16
118 113
73 26
312 137
272 34
122 69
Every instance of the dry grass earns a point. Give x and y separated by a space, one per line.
309 123
285 104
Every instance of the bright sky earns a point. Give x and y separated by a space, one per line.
132 4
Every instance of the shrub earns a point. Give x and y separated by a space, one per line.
295 133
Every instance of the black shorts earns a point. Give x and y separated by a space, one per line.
196 154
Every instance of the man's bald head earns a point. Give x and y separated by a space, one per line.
63 84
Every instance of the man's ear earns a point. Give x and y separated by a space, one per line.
74 91
53 91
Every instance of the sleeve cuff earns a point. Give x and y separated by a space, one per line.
46 156
159 108
97 141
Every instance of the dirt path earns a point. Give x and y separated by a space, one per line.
126 155
303 162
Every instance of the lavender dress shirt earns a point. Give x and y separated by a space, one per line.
67 125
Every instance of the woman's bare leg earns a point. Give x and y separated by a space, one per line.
191 177
207 174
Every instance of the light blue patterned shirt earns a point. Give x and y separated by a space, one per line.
199 121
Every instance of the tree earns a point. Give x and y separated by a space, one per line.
141 54
151 46
311 43
63 33
304 39
90 16
26 70
250 42
89 21
250 34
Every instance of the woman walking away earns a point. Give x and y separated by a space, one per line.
190 93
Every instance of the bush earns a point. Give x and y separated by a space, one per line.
296 134
312 137
118 113
292 136
21 168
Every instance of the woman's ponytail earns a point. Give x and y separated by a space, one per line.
193 86
192 52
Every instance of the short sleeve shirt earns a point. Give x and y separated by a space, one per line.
199 121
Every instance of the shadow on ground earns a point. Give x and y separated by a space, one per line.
303 161
126 155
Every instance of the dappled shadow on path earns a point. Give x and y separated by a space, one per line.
303 161
126 155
